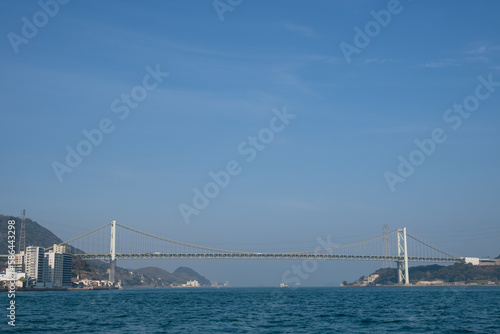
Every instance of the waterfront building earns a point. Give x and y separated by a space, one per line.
54 268
194 283
59 265
66 271
36 265
8 276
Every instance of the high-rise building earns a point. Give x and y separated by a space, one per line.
54 268
59 267
35 265
66 273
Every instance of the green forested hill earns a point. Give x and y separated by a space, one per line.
190 274
36 235
458 272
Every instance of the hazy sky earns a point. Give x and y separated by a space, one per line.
313 106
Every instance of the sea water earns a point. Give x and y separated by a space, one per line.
259 310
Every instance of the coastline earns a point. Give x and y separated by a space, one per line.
107 288
420 285
57 289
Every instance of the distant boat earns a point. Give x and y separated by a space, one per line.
283 285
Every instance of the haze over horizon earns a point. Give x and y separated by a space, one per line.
131 112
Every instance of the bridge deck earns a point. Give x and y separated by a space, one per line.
275 256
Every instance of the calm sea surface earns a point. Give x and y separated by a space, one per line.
259 310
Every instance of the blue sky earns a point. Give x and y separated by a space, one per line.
323 174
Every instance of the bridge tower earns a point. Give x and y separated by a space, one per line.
402 252
387 264
112 251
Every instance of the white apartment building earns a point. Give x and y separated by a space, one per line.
35 265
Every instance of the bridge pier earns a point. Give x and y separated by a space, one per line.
112 251
112 270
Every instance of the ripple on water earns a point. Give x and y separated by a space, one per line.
260 310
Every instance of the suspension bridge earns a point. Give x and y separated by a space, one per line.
114 241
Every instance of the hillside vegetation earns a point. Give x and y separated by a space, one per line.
36 235
458 272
